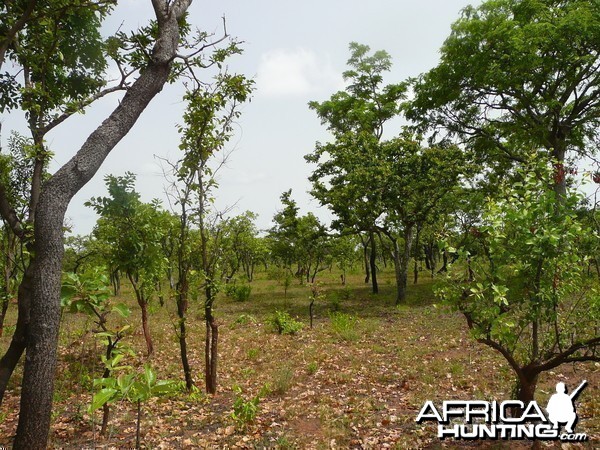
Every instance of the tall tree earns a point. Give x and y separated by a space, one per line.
34 32
356 118
516 75
212 109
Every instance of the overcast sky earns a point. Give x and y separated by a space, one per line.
296 52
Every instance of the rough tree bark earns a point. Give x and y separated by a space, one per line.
56 193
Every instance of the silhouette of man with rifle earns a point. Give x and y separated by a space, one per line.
561 408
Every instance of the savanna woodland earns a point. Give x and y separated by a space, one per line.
462 261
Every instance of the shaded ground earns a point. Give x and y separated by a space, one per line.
361 388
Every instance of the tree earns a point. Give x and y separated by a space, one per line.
527 294
299 240
418 182
383 187
208 125
149 53
131 233
242 247
356 118
516 75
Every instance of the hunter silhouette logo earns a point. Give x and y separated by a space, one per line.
497 420
561 408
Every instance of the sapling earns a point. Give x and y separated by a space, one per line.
89 293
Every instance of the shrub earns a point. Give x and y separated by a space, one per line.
344 325
283 323
245 319
238 292
244 410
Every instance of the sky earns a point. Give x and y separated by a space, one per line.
296 52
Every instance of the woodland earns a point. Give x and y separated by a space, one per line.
462 261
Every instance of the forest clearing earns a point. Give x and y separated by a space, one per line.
399 258
358 385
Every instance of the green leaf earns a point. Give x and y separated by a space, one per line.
122 310
101 398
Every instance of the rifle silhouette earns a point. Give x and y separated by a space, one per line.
576 392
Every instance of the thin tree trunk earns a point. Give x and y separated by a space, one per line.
143 303
182 306
417 253
400 285
3 309
138 425
19 339
373 263
365 245
210 349
144 306
408 238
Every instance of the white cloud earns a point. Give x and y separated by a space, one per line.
298 72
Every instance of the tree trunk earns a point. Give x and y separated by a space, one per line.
19 339
105 419
138 425
182 306
211 355
3 309
144 306
408 238
365 245
526 385
373 263
560 178
42 333
400 283
417 254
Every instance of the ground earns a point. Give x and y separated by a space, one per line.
358 385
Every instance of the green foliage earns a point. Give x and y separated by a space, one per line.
527 293
244 410
132 233
531 63
283 323
299 240
133 386
238 292
63 52
244 319
241 247
344 326
312 368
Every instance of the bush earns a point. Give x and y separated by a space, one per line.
344 325
245 319
283 323
244 411
238 292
